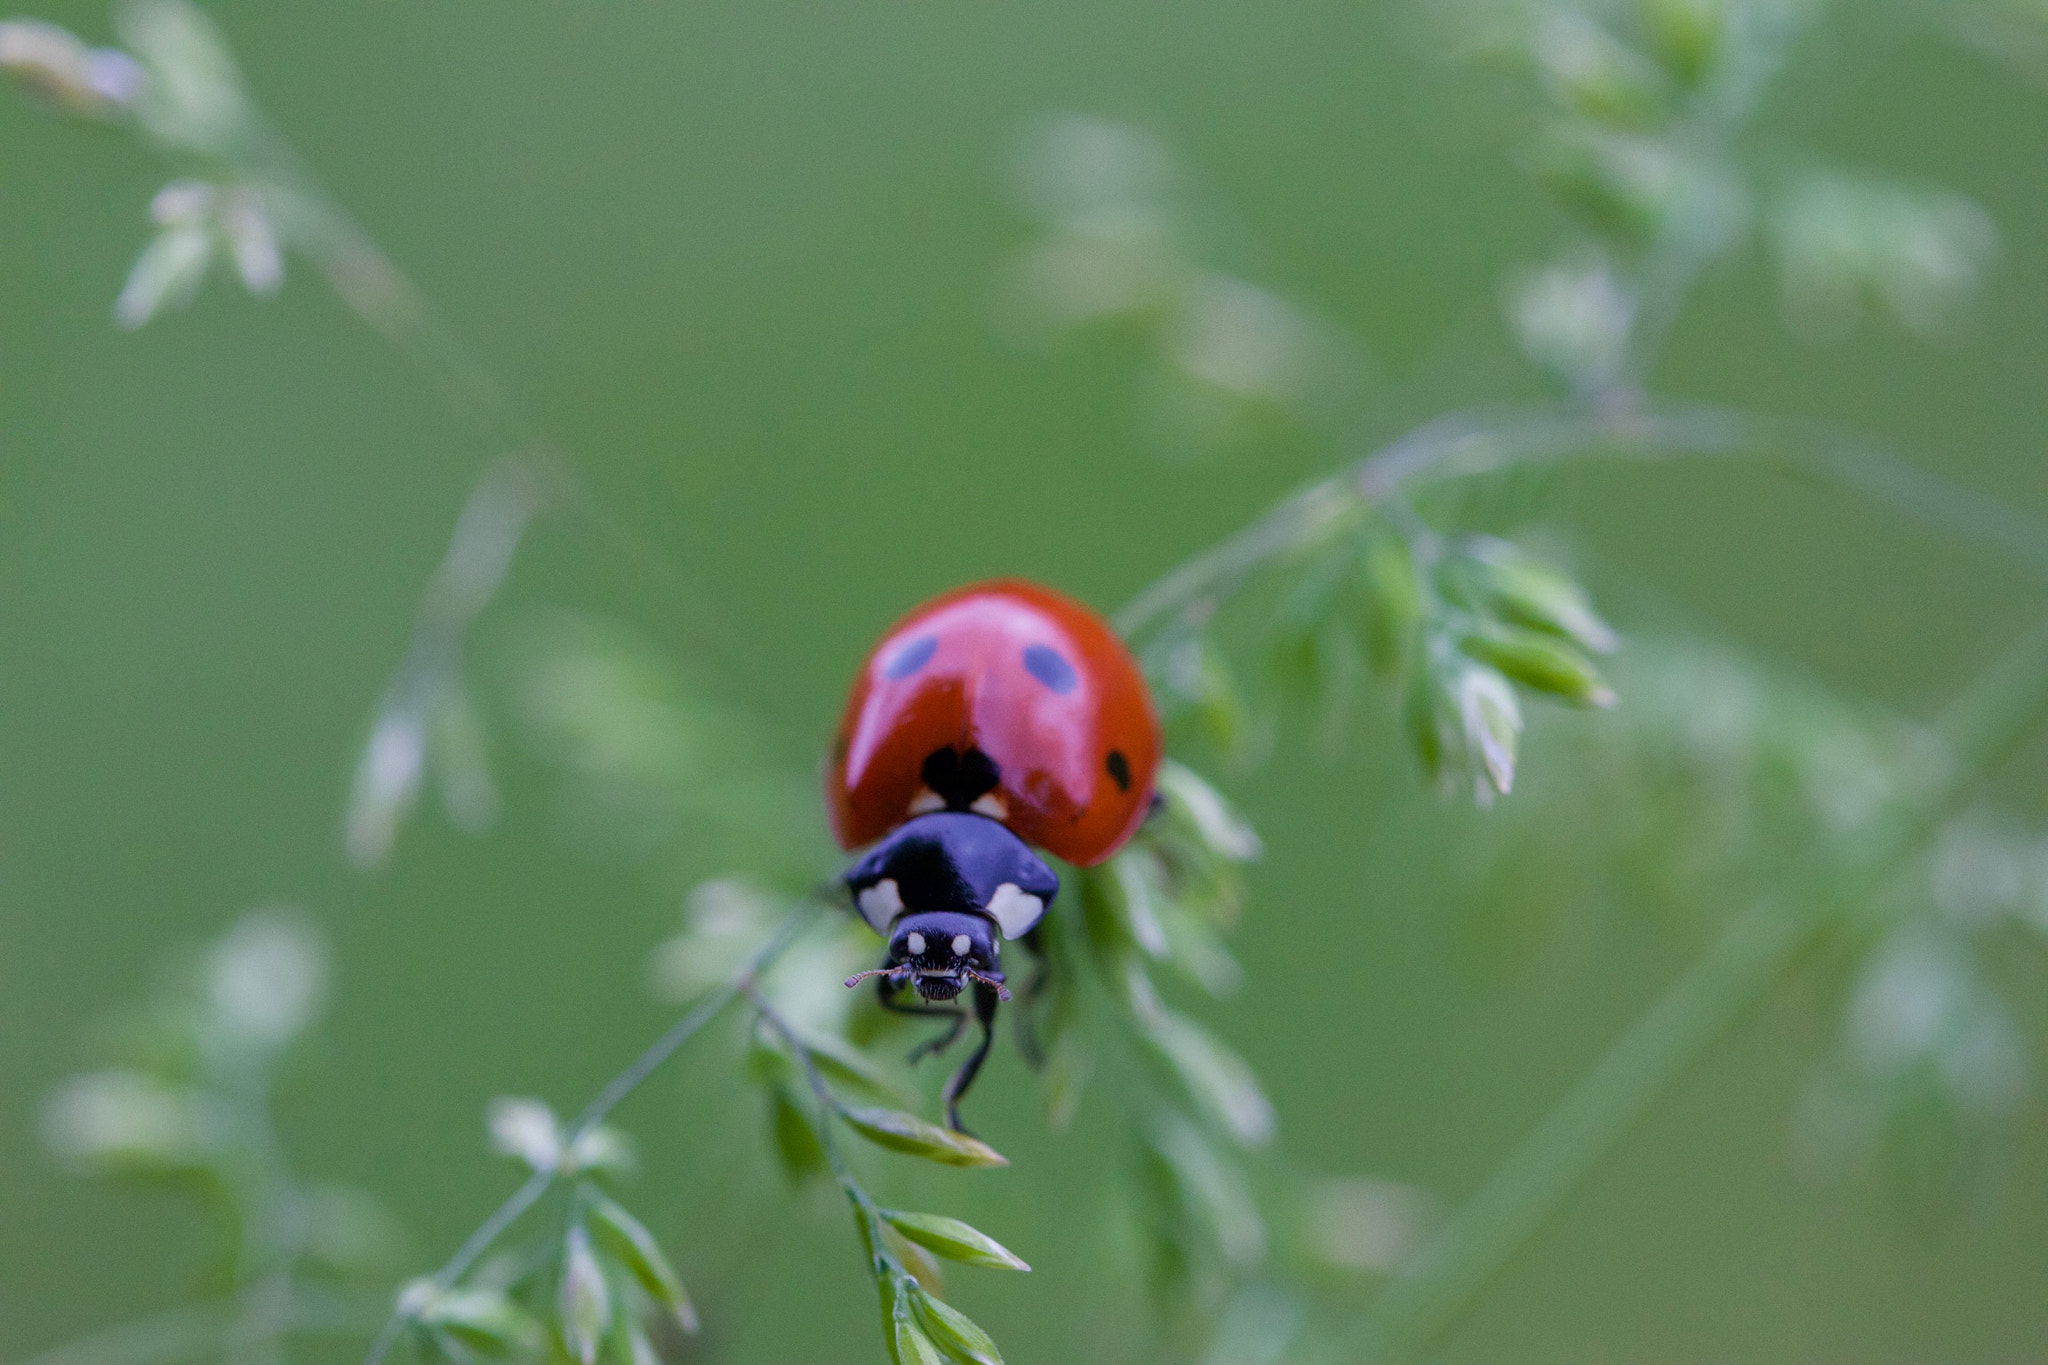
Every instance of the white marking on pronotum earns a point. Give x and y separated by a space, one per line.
916 944
926 801
1013 911
880 904
961 943
992 806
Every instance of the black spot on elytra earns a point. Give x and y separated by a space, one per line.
1119 770
911 657
960 779
1050 667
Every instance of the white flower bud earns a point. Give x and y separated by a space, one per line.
1243 339
199 219
1574 321
725 919
416 1297
266 980
1220 827
585 1300
526 1129
115 76
1492 723
166 274
123 1120
1366 1224
252 241
387 783
54 65
183 203
601 1149
193 97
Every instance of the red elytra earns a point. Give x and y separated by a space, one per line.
1030 679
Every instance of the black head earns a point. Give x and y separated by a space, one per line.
943 951
937 952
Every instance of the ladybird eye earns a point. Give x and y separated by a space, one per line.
961 943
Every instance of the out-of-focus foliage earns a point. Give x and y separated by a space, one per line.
650 765
2014 32
1727 774
187 1104
1845 243
599 1287
1130 244
1689 784
428 721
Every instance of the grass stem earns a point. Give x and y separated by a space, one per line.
617 1089
1836 880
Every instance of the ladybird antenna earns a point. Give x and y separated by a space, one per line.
859 977
1002 991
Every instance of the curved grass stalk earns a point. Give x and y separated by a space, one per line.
1480 441
372 286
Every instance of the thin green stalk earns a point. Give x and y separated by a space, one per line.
1481 441
867 1217
1752 953
617 1089
664 1047
385 298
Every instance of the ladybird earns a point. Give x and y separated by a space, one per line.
994 718
1006 699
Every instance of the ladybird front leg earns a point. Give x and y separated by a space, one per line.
933 1046
985 1002
886 993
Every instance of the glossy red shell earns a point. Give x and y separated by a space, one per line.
1034 680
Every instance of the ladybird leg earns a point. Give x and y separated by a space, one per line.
939 1042
985 1002
887 995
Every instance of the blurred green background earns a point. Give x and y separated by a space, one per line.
741 262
